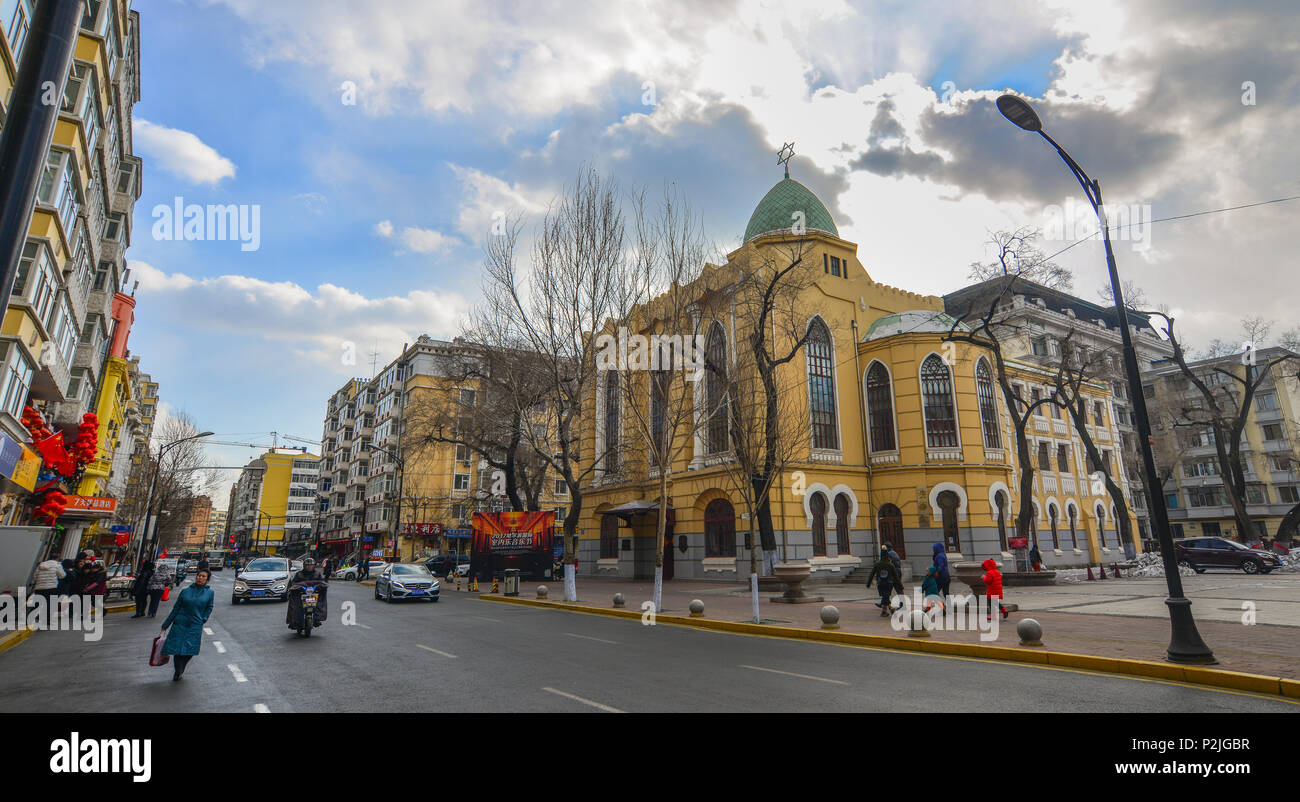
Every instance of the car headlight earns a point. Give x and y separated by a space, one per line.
397 584
279 586
240 586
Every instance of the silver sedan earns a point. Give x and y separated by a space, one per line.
406 581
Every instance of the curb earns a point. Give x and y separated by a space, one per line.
14 638
1124 666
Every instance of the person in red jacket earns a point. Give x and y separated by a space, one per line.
992 580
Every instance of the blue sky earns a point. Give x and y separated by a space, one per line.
372 214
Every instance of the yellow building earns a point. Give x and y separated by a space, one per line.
900 435
275 503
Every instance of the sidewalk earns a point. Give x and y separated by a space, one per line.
1268 649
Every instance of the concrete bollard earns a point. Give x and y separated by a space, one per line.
830 617
918 625
1030 632
697 608
541 591
619 601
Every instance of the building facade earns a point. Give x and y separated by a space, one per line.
273 504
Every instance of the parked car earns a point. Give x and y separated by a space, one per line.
406 581
263 578
439 565
121 579
1201 553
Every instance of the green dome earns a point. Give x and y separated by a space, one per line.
775 211
916 321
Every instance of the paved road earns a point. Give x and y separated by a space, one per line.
462 654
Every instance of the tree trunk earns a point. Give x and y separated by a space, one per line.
1234 481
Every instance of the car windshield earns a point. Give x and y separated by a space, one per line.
410 570
267 565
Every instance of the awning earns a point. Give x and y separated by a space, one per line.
638 507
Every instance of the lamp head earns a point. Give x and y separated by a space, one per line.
1015 109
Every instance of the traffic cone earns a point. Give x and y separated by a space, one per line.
1090 576
473 584
1101 571
496 587
1115 567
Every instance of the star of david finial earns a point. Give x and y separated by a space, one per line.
784 157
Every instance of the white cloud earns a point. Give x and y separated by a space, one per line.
384 228
489 200
417 240
181 153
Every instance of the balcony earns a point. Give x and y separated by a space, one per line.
1049 484
100 303
1040 424
1268 415
1275 446
87 356
1060 427
1068 486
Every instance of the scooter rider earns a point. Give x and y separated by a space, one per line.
307 576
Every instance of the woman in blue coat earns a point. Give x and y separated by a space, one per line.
189 614
941 568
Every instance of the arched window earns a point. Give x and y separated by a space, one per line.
880 408
842 524
1051 514
821 386
818 506
609 537
988 404
715 391
1101 525
659 380
719 529
611 421
948 503
1072 512
936 397
1000 500
891 528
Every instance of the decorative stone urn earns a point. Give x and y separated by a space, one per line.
792 576
971 574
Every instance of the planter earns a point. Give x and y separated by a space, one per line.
969 574
792 576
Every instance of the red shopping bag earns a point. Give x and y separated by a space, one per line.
156 657
167 592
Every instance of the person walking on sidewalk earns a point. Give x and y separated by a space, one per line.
141 589
887 578
160 581
190 612
940 562
1035 557
46 581
992 580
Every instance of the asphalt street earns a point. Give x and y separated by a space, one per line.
466 655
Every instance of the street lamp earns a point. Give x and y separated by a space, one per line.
401 475
1185 644
147 540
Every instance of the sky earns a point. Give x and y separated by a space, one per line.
373 144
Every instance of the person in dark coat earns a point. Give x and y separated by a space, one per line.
940 561
141 588
888 549
159 581
68 584
1035 557
887 578
307 576
190 612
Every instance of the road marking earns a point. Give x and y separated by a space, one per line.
239 675
220 649
485 618
435 651
364 626
261 708
588 637
208 631
792 674
606 708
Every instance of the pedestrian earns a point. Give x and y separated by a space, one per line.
45 582
68 582
190 612
204 566
940 563
893 557
992 580
931 592
887 579
1035 557
96 580
141 589
158 582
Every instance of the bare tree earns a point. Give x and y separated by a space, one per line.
182 474
1015 253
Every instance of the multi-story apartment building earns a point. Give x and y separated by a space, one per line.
1188 455
1034 320
197 529
58 319
273 506
216 529
371 450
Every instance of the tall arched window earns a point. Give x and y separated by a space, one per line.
880 408
611 421
842 524
658 411
821 386
817 504
936 398
948 503
1072 512
715 391
1052 515
609 537
1000 499
719 529
1101 525
988 404
891 528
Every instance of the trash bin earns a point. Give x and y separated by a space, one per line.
512 582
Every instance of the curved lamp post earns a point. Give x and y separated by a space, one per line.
1185 644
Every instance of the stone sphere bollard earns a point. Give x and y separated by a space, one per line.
541 591
619 601
1030 632
830 617
918 625
697 608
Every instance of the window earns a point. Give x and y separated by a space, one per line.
125 177
1035 395
561 487
1266 401
842 524
1212 529
1204 497
36 280
1044 461
817 504
1038 346
719 529
821 385
1255 494
611 421
1201 468
1052 516
462 452
880 408
467 398
461 481
715 390
1063 458
988 405
17 20
659 380
58 187
609 537
1000 502
937 403
1273 431
1098 414
1288 494
114 229
17 378
835 265
1148 391
1072 512
948 503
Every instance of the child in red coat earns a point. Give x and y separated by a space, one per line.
992 580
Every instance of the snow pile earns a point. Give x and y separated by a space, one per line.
1290 562
1152 564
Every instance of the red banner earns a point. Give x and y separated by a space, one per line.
512 532
422 529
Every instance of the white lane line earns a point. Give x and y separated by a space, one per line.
220 649
239 675
208 631
485 618
261 708
588 637
792 674
435 651
606 708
